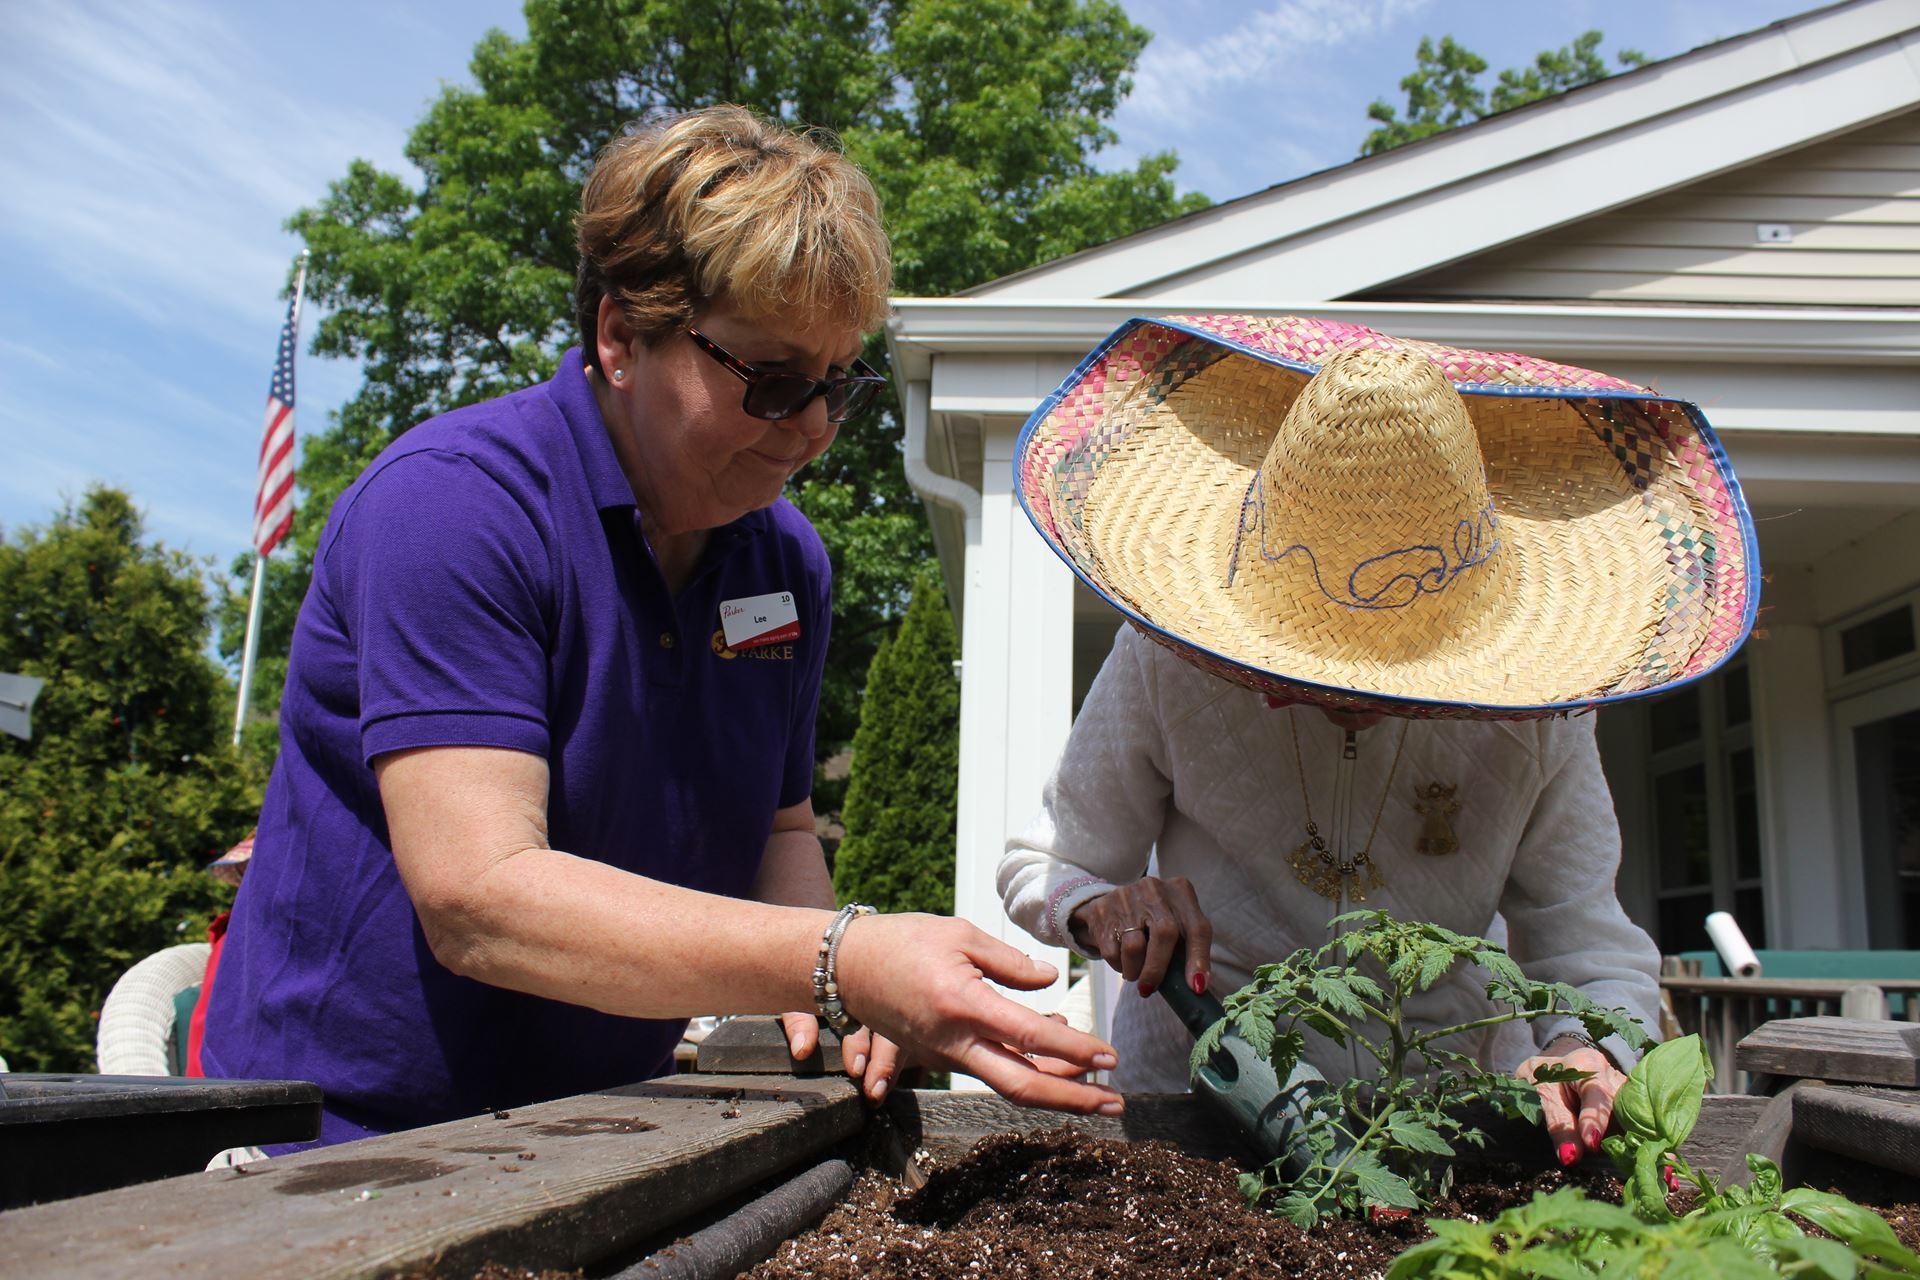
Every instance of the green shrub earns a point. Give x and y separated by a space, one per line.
128 785
902 794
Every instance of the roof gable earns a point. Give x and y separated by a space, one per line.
1836 223
1634 136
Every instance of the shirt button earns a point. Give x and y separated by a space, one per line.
666 640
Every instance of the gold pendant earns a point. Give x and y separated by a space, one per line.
1436 804
1313 868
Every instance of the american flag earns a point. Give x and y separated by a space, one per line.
273 503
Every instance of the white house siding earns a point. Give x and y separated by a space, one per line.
1850 203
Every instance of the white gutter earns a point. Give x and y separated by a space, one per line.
932 486
922 327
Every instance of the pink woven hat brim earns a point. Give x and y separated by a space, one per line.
1519 538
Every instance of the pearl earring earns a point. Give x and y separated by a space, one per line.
619 374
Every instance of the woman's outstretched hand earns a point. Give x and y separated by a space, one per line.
1577 1112
919 982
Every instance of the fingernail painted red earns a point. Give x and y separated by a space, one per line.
1568 1153
1199 984
1146 988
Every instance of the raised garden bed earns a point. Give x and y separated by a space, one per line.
595 1184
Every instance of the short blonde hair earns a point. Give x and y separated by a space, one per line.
722 203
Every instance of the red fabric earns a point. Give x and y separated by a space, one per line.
197 1029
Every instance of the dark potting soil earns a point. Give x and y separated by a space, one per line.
1059 1204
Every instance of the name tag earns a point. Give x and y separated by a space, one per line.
753 621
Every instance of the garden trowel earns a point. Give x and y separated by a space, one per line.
1241 1085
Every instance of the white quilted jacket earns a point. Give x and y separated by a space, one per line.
1166 760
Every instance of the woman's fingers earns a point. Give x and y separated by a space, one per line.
1557 1103
1013 1077
1163 934
1008 965
882 1067
1596 1098
853 1052
1020 1029
1198 931
1556 1107
803 1034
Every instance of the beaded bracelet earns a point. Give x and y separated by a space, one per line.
826 984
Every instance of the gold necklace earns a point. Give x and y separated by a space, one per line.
1313 863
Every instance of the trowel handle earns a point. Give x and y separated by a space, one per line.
1197 1012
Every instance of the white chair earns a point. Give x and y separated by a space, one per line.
137 1021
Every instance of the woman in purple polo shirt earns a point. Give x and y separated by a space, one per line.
547 737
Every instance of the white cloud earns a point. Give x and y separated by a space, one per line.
1257 59
151 156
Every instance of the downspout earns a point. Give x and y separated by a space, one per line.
955 495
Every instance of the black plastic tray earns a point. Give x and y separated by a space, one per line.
68 1135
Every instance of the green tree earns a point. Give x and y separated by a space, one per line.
1444 91
902 796
977 119
128 785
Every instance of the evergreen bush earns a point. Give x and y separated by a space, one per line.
902 795
129 784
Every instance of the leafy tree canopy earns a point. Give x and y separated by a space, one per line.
128 785
978 121
1444 89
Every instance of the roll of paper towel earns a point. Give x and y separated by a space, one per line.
1735 954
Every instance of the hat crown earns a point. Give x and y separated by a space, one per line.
1374 495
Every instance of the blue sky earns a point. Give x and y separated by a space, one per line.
151 149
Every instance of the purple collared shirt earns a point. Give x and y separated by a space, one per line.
485 583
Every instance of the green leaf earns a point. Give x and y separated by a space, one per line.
1433 966
1258 1033
1852 1224
1336 993
1827 1258
1416 1136
1559 1073
1646 1189
1660 1101
1380 1185
1765 1184
1204 1046
1299 1209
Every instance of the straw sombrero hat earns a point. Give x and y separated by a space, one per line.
1320 511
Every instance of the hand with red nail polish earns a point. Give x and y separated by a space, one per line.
1576 1113
1135 928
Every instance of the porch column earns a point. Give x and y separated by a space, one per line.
1813 895
1016 694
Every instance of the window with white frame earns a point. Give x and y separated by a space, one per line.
1703 810
1873 673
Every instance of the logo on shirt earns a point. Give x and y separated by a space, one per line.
765 652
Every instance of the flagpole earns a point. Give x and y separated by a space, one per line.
252 647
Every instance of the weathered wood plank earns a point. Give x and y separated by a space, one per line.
758 1046
560 1184
1733 1124
1835 1049
1879 1126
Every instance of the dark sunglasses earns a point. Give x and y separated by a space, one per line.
776 394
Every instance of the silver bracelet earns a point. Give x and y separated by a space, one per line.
826 982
